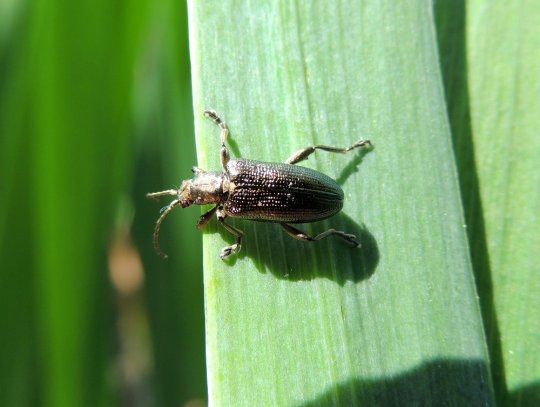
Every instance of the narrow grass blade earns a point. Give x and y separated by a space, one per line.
503 40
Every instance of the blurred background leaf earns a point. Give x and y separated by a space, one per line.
95 104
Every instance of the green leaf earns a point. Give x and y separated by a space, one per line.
167 150
504 75
64 149
290 323
95 101
491 76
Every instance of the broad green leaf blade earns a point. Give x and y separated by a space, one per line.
503 42
290 323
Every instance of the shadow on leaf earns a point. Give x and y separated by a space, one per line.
271 249
435 383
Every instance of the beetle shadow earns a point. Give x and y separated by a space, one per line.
352 166
233 147
272 250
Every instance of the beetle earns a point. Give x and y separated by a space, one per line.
283 193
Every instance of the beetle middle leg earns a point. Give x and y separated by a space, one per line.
224 152
306 152
226 251
299 235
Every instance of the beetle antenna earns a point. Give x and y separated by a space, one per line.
154 195
164 214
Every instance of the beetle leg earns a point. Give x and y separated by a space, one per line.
299 235
224 152
205 217
306 152
226 251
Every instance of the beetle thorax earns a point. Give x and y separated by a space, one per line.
204 188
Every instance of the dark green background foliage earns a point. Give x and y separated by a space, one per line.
96 110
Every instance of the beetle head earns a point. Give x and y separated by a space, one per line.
184 194
203 188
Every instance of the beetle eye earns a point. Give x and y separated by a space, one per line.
185 202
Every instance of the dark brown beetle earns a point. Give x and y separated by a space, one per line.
261 191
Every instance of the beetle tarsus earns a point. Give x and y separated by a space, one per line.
351 239
227 251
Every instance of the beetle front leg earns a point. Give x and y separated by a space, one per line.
226 251
306 152
299 235
205 217
224 152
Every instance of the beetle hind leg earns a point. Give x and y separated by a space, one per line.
299 235
301 155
